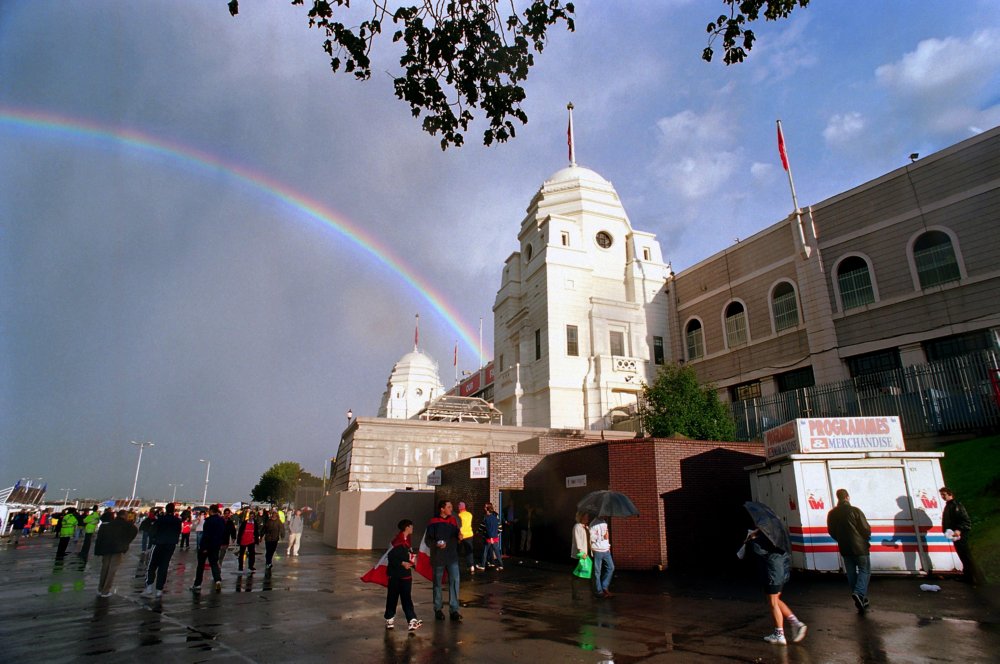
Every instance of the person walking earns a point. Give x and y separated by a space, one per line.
294 525
90 520
247 537
273 532
199 528
604 564
849 527
213 533
168 531
441 537
67 526
465 537
146 526
399 568
229 534
776 568
491 528
113 540
955 518
185 531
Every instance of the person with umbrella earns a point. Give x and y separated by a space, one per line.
770 543
604 504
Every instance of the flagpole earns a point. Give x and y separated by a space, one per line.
783 153
416 334
569 136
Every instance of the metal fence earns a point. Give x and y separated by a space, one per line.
949 396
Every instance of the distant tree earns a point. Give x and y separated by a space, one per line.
676 404
462 54
278 483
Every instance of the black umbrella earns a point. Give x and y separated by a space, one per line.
770 524
607 503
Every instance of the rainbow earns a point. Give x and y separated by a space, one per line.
77 129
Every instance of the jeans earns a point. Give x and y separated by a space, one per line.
859 571
604 567
495 548
453 576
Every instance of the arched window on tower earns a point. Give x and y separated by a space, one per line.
736 324
695 340
934 258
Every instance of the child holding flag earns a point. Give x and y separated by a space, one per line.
398 568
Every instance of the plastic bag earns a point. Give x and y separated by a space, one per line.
584 568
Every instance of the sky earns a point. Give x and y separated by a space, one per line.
210 242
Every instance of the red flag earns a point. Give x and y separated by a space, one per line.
781 148
423 566
380 573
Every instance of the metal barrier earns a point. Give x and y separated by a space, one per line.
948 396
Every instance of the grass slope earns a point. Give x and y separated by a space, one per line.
972 470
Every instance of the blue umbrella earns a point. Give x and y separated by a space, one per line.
770 524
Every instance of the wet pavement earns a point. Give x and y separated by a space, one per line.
313 608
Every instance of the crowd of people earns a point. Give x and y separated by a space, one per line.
164 530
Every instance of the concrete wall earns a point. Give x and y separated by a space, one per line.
367 519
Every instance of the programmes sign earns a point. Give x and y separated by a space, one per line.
479 467
820 435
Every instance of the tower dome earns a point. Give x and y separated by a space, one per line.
412 384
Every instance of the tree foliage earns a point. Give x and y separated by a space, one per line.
733 26
278 483
462 55
676 404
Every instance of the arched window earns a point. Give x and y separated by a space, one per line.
736 324
854 282
934 258
784 307
695 338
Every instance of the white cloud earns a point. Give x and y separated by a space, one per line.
761 171
843 127
940 66
694 159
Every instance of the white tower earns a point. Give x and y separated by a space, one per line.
581 318
413 383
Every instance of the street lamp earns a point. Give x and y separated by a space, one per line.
66 501
350 416
208 469
173 499
139 463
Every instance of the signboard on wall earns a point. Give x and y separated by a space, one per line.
479 468
434 478
575 481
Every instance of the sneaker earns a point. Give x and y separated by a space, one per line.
859 601
149 590
106 595
798 631
439 615
415 625
218 586
480 568
159 593
268 566
196 589
456 616
777 638
390 623
472 569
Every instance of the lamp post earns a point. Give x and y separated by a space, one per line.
66 500
173 498
138 463
208 469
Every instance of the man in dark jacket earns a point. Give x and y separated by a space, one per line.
212 536
398 569
849 527
956 519
113 540
168 531
274 530
442 538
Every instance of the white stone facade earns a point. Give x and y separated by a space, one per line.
582 271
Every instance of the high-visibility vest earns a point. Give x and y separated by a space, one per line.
67 525
90 523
